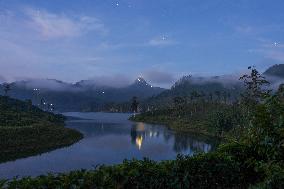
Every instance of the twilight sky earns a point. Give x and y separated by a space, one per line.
160 40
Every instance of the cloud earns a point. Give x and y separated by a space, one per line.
244 29
275 82
2 79
46 84
159 77
17 60
276 55
273 45
161 41
272 54
51 25
271 50
258 30
115 81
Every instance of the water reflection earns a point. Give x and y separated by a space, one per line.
182 142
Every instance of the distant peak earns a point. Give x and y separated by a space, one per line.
276 70
141 82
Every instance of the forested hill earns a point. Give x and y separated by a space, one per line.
276 70
16 113
190 88
218 88
26 130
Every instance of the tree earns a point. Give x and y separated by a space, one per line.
218 94
229 96
7 88
210 97
179 104
134 105
202 96
179 101
225 97
42 103
194 95
222 121
254 83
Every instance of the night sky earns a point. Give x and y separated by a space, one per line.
160 40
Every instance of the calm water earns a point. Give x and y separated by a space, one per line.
108 139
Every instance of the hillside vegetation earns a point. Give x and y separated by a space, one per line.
196 117
27 130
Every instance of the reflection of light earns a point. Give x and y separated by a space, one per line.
140 127
139 141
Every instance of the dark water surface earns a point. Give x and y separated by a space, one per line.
109 138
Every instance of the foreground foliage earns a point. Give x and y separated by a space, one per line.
202 171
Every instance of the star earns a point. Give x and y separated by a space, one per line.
117 4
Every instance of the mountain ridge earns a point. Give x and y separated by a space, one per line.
90 95
78 96
276 70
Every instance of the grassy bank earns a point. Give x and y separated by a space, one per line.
26 130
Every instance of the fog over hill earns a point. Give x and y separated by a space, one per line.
216 86
94 93
2 79
87 95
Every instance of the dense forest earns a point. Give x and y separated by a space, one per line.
251 156
27 130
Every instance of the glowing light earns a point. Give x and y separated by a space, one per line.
139 141
103 92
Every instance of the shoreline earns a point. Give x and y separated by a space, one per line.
173 125
20 143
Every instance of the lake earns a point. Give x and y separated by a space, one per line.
109 138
